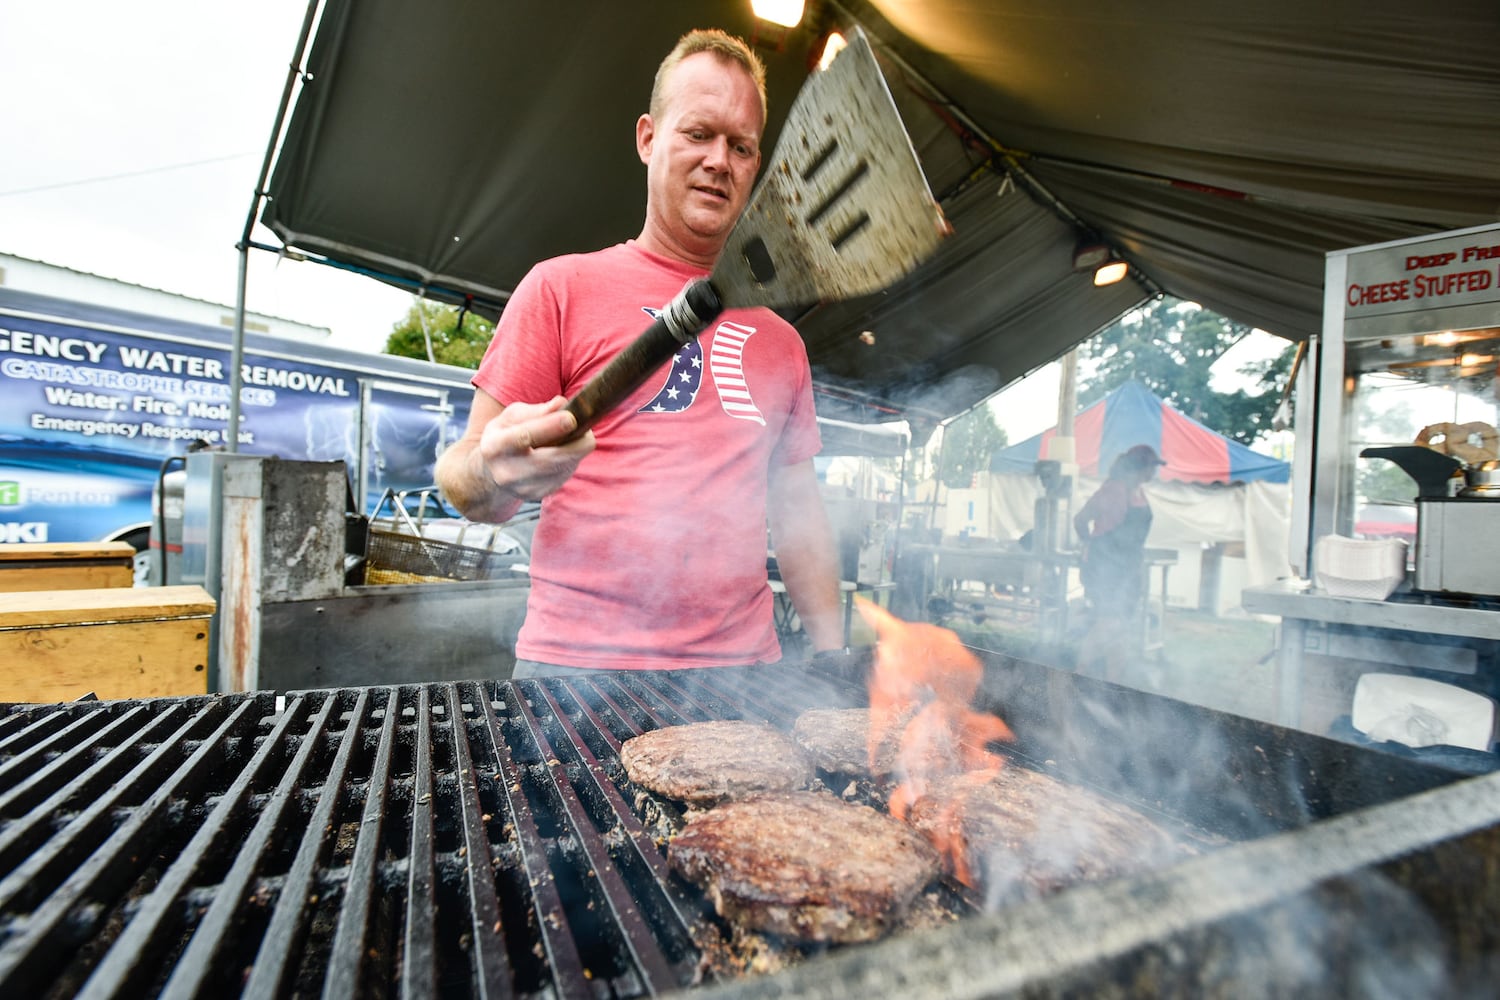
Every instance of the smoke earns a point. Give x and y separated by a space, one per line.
1267 875
1108 805
1359 936
1261 924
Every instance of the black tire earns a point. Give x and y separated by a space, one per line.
140 540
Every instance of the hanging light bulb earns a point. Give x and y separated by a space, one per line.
787 13
1109 273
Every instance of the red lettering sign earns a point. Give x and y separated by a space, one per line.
1388 291
1430 260
1428 286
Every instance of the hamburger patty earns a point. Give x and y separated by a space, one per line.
837 740
707 762
805 866
1025 834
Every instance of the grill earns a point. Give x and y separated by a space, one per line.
481 839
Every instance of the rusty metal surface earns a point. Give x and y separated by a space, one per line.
463 839
842 208
283 523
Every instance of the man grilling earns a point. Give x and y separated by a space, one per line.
651 547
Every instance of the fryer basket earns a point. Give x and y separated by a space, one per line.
393 557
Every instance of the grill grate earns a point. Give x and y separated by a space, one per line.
469 839
480 839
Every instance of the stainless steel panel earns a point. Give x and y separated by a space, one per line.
202 523
1458 546
426 632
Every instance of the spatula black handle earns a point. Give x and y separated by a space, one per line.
683 319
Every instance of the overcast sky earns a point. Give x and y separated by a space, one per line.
132 138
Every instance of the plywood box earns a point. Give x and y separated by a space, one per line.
28 566
114 642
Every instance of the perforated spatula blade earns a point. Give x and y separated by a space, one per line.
843 209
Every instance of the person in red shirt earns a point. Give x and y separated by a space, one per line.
1112 527
651 547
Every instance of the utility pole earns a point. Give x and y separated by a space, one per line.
1067 402
1051 523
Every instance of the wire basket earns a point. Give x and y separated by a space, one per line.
392 557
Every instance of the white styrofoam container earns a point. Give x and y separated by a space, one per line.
1359 567
1419 712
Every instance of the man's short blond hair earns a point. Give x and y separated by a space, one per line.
722 44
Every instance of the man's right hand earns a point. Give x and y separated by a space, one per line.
510 455
522 449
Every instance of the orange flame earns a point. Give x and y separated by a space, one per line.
945 829
923 669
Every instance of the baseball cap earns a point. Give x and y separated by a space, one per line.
1144 455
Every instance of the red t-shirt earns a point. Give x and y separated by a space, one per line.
653 555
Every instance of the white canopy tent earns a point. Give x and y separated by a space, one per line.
1226 536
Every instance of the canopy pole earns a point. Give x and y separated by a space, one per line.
900 508
237 353
237 349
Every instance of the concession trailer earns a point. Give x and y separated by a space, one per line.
1405 376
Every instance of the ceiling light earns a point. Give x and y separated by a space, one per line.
1110 273
832 46
787 13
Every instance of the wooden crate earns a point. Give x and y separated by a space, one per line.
28 566
114 642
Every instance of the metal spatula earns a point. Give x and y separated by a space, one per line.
842 209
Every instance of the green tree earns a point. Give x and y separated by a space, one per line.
1169 346
967 444
1377 479
438 323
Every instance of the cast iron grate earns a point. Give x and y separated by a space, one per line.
467 839
479 839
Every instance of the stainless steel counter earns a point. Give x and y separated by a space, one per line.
1350 635
1292 601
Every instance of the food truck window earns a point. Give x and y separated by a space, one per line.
1438 388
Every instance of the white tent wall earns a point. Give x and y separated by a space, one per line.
1268 526
1235 534
986 512
1010 502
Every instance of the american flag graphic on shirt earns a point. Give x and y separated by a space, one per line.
726 361
684 380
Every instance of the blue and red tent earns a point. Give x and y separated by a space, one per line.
1133 414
